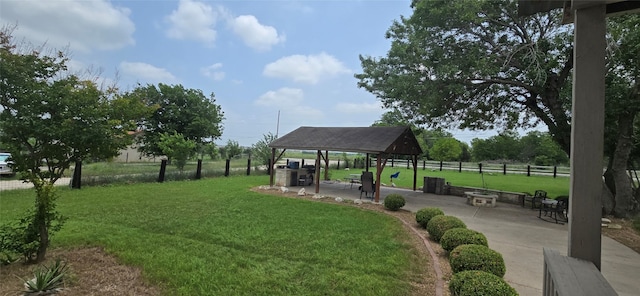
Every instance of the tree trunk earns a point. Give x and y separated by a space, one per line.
608 190
44 241
42 216
624 202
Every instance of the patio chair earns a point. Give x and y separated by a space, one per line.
536 199
367 185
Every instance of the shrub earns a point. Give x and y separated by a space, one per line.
476 257
425 214
479 283
438 225
462 236
394 202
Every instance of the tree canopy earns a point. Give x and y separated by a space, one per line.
476 65
51 119
177 110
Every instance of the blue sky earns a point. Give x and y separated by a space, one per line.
258 57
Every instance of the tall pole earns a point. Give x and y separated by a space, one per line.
278 124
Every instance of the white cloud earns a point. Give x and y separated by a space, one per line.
213 72
308 69
352 108
255 35
281 98
193 20
146 73
290 100
82 25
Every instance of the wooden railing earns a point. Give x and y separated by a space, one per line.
568 276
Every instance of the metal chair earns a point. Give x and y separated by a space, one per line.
536 199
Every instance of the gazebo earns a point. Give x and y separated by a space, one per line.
382 141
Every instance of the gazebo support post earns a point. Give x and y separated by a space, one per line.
317 173
378 173
366 167
272 164
414 159
326 164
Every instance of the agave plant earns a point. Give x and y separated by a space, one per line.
47 280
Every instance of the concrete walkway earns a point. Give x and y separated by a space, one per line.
517 233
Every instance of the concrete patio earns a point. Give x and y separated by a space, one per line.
516 232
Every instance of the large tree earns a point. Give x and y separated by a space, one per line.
261 151
622 107
51 119
477 65
178 110
446 149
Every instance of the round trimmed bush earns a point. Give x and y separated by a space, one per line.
394 202
462 236
479 283
425 214
438 225
476 257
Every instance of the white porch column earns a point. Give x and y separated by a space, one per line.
587 131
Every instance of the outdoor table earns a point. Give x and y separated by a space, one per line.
545 205
352 178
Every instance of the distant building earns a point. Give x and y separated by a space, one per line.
131 153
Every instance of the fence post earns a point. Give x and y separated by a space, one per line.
459 166
528 170
555 171
77 175
407 164
302 163
199 169
338 164
226 167
424 164
249 167
441 165
392 161
480 167
163 168
504 168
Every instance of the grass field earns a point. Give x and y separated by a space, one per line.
216 237
511 182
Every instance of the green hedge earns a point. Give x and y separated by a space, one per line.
394 202
438 225
479 283
424 215
462 236
476 257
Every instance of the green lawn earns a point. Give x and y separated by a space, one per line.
497 181
216 237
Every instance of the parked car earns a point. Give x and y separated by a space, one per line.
5 168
